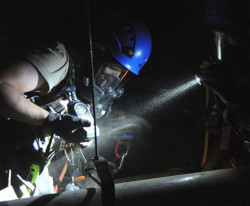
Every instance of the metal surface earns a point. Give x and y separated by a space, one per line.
107 182
218 187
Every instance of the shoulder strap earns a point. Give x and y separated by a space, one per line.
70 80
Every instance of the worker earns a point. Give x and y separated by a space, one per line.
227 69
45 70
129 51
225 74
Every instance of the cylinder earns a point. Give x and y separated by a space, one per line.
217 187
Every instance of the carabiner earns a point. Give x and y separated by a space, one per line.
119 143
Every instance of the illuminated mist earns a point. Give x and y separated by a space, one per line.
114 127
136 124
165 96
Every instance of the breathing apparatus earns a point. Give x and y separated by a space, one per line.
129 49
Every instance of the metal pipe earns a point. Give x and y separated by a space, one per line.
217 187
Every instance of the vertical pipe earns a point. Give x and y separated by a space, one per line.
93 77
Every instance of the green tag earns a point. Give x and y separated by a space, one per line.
33 174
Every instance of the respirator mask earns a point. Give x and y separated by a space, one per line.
107 88
108 85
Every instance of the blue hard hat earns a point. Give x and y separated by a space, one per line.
131 45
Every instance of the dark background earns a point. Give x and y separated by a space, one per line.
179 44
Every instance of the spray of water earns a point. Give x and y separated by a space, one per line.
135 125
138 124
165 96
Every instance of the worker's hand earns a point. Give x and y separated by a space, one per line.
67 126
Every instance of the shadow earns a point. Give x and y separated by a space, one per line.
45 199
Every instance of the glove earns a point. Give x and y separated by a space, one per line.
67 126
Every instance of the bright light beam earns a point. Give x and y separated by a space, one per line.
198 79
167 96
